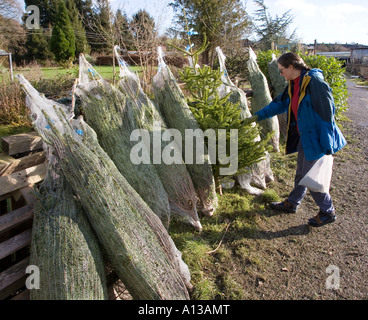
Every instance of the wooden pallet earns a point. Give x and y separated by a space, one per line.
22 166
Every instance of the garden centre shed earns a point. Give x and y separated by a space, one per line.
359 56
359 61
9 55
343 56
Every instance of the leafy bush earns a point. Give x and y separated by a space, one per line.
334 75
263 59
13 110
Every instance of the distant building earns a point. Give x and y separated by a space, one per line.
337 55
343 56
359 61
359 56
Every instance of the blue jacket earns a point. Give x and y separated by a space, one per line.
318 131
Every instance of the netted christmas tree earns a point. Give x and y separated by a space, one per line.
261 98
219 113
260 173
279 84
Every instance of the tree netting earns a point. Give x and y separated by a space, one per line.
279 84
262 97
63 245
137 244
106 109
177 114
174 174
260 173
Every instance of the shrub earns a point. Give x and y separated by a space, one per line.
13 110
263 59
333 72
332 69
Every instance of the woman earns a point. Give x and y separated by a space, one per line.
311 130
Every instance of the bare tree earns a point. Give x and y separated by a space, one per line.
221 22
137 34
102 25
10 12
144 34
9 9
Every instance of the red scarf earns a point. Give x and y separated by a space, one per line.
295 99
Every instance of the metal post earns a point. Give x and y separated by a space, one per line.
11 67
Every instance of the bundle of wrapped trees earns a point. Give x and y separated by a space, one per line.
105 110
137 244
171 170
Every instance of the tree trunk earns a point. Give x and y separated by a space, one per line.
219 186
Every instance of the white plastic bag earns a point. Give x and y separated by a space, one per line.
318 178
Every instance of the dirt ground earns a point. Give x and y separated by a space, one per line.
299 262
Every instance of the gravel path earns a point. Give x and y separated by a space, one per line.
331 262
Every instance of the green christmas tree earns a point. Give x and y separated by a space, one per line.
220 114
62 42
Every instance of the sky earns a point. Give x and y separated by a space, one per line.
327 21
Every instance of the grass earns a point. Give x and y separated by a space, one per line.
360 81
8 130
236 259
220 257
50 73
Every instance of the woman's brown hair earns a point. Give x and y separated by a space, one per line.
291 58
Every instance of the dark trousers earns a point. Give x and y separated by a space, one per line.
323 200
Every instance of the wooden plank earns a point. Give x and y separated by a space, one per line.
13 278
5 161
22 163
21 143
24 295
16 243
23 178
15 218
28 194
5 197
